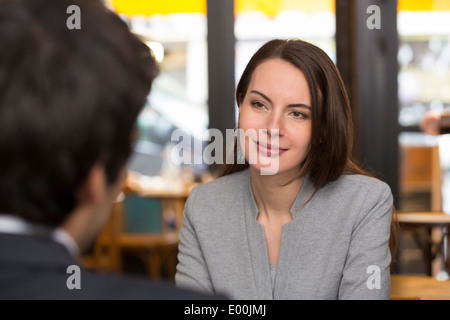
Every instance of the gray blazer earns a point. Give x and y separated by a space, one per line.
336 246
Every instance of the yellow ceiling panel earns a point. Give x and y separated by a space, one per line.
423 5
151 7
270 7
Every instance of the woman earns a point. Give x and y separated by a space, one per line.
317 227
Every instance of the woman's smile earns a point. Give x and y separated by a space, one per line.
269 149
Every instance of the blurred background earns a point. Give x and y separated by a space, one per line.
394 75
177 31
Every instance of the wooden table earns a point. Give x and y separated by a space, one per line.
173 199
419 287
428 219
438 223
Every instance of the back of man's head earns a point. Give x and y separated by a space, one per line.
69 99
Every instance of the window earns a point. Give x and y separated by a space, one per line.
176 33
424 59
260 21
424 84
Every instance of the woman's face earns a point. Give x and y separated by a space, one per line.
275 117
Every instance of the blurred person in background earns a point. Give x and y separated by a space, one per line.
435 123
69 99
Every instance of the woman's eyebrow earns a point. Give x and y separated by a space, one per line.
299 105
294 105
262 95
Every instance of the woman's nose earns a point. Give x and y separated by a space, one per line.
275 125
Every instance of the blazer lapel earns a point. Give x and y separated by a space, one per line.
256 245
291 240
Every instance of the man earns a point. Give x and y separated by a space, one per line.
435 123
69 99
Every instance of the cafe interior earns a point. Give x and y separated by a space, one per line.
395 73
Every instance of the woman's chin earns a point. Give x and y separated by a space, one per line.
267 169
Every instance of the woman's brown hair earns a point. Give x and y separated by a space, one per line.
332 135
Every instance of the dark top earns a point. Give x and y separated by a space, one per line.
34 267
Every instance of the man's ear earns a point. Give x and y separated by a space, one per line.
93 189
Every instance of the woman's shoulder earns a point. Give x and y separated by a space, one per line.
209 202
363 183
355 196
223 187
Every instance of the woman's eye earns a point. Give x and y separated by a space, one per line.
258 105
298 115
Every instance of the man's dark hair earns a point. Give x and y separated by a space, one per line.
68 99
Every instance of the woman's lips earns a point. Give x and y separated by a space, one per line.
268 149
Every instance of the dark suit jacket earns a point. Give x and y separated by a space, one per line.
36 268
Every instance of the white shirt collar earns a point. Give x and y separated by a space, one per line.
15 225
63 237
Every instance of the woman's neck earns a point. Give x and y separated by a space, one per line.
275 194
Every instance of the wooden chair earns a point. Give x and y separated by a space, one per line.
156 250
420 171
